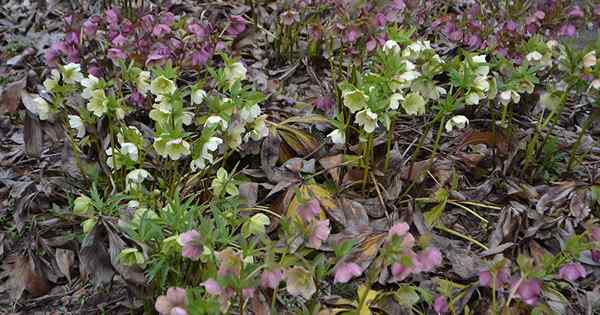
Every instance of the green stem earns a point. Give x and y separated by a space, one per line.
388 147
366 157
586 125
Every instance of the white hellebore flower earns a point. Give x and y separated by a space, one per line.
508 95
198 96
392 46
234 72
129 149
249 113
534 56
142 82
482 83
187 118
481 70
367 119
595 84
72 73
89 86
40 107
459 122
472 98
51 83
409 76
395 100
209 146
589 60
479 59
135 178
75 122
337 136
216 120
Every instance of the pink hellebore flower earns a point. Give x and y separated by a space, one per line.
309 210
596 256
112 17
119 41
502 277
352 34
168 18
529 291
95 71
575 12
399 229
400 272
429 259
319 234
173 303
572 271
230 263
200 57
247 292
191 244
116 54
567 30
271 278
346 271
440 306
596 234
197 30
212 287
237 25
324 103
289 17
160 30
90 27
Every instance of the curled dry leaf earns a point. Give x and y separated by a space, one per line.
555 196
65 258
22 275
9 100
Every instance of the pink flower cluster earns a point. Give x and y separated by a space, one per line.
408 261
318 229
153 38
528 289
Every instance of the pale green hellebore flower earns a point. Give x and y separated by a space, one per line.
234 72
82 205
98 103
337 136
458 121
355 100
198 96
367 119
71 73
90 84
395 100
162 86
414 104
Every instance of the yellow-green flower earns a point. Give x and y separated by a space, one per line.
355 100
222 183
131 257
414 104
72 73
367 119
82 205
98 103
234 72
162 86
174 149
